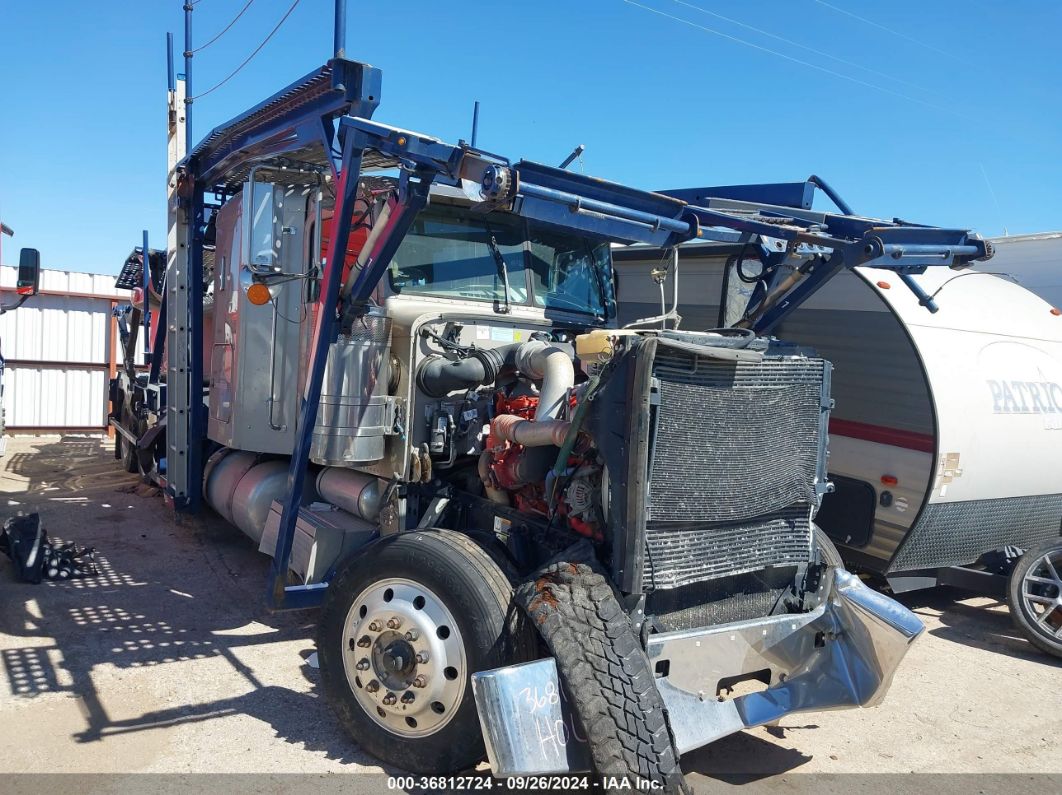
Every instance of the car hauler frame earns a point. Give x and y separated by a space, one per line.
823 639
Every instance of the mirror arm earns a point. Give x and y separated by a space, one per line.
5 309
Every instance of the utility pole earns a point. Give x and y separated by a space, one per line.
187 103
339 35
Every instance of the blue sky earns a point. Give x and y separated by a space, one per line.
942 112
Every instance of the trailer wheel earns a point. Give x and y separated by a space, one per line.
1035 596
403 627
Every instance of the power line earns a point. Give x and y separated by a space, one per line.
776 37
247 60
887 29
225 30
995 199
791 59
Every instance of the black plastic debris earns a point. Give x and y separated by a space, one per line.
26 542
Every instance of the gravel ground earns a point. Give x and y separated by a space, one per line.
169 663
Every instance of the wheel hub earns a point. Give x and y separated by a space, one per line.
1042 593
404 657
394 660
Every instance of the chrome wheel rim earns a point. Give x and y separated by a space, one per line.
1041 593
404 657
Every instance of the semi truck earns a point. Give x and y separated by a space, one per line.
532 535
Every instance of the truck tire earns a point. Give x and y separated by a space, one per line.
403 627
127 451
1034 593
606 675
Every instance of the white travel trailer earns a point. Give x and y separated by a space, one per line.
946 436
1035 261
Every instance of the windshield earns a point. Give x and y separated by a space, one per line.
454 252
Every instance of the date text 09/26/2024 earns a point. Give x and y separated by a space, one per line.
484 782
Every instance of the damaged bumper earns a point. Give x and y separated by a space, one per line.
841 654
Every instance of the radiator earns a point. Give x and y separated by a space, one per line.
736 465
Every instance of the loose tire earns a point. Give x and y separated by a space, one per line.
606 675
1035 596
403 627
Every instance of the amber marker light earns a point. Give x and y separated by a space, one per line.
258 294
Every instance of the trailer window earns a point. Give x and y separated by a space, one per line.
451 254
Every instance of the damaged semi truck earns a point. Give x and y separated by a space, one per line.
536 537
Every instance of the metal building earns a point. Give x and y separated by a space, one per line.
60 347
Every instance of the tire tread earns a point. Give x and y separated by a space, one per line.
605 672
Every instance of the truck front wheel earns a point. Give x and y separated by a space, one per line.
404 626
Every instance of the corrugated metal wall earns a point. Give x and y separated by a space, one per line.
58 347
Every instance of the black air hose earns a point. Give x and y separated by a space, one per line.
438 376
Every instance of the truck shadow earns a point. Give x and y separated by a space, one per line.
743 757
168 593
983 625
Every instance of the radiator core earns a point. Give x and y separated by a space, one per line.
735 463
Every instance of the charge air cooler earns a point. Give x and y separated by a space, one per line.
716 457
736 463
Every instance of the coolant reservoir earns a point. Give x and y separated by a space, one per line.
596 346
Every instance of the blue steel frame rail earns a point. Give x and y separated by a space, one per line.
783 212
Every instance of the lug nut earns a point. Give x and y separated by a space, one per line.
412 635
375 626
420 681
364 641
394 622
389 699
363 664
408 697
422 657
373 686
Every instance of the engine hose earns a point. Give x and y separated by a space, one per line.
439 376
561 464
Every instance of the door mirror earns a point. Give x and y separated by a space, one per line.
29 272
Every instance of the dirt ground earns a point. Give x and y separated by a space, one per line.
170 663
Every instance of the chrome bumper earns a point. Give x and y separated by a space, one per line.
842 654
